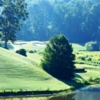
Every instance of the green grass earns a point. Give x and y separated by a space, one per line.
33 56
78 47
83 58
86 57
90 58
19 72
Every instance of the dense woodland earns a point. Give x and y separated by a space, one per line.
78 20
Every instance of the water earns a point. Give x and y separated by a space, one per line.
56 97
91 92
25 98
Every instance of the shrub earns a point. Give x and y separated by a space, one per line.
99 59
22 52
58 59
89 59
32 51
41 53
95 80
92 46
83 58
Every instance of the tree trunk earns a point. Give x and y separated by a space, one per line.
6 38
5 45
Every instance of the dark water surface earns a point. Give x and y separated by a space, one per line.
91 92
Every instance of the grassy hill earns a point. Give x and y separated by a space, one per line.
19 72
23 73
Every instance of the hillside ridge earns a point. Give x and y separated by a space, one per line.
19 72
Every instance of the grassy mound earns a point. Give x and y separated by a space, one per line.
23 73
19 72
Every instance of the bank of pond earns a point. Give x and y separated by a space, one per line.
91 92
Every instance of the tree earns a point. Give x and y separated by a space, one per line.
71 18
1 2
21 52
93 22
92 46
58 59
13 14
40 17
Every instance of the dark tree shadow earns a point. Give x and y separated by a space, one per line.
72 83
80 70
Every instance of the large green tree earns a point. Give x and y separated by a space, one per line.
58 58
14 12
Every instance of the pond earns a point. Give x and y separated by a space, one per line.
60 96
91 92
56 97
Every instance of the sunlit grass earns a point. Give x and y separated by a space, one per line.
90 58
19 72
82 57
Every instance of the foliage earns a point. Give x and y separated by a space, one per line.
25 74
90 58
88 46
23 69
12 15
80 84
32 51
83 58
94 80
92 46
94 25
76 17
21 51
58 59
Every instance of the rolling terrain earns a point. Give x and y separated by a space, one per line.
19 72
23 73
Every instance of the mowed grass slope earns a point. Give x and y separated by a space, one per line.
79 51
20 73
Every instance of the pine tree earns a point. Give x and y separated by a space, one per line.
58 58
13 14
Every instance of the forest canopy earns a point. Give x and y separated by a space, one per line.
78 20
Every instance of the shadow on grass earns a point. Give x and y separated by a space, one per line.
76 83
80 70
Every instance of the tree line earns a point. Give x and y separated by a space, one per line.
78 20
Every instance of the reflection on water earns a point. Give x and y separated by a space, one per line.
88 93
24 98
91 92
79 96
57 97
